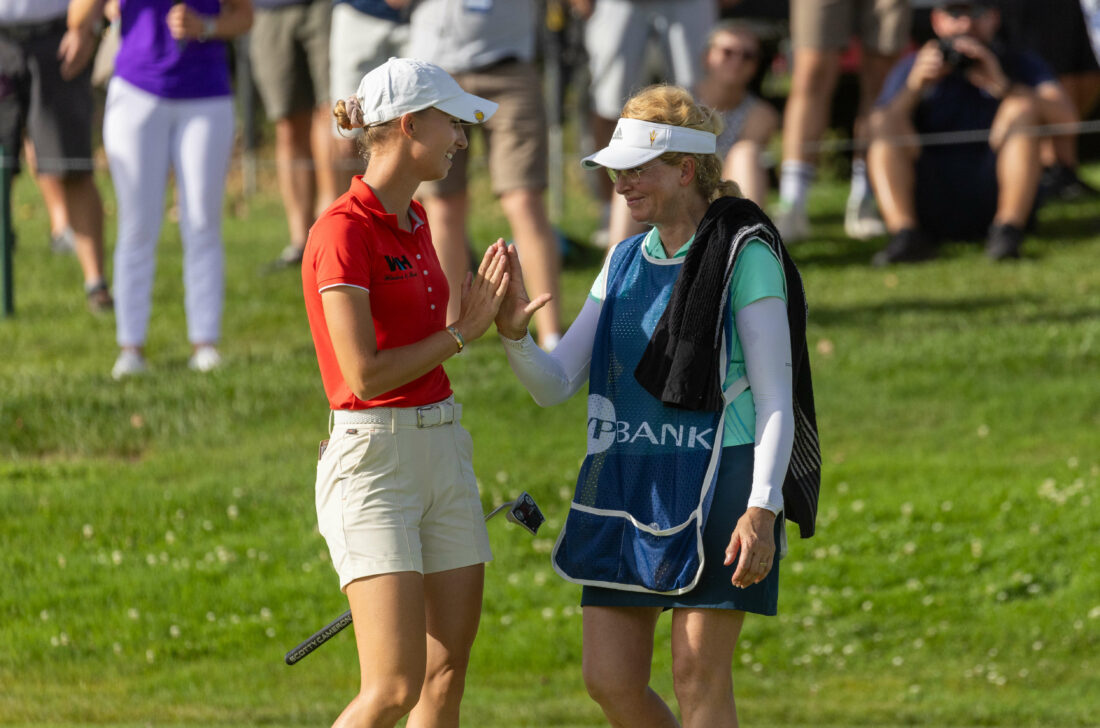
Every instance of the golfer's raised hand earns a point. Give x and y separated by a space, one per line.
516 311
482 293
752 546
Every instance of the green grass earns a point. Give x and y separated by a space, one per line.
159 554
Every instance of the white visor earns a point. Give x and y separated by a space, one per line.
636 142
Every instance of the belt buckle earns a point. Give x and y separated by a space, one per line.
420 423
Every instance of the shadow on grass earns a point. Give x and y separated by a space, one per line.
835 252
874 313
1067 227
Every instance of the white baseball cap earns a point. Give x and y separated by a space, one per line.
636 142
402 85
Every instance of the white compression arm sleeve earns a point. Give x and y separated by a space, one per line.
554 377
765 338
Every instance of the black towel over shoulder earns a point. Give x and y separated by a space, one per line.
680 365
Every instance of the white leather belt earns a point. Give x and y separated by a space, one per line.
432 415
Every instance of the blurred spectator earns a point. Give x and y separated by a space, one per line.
45 91
617 38
958 82
1091 11
169 107
489 46
288 49
1056 30
61 233
365 33
820 31
731 62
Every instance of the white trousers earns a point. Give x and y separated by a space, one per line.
145 137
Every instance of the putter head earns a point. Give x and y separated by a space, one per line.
526 513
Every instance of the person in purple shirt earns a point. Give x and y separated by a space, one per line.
169 107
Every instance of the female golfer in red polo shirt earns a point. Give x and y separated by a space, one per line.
396 497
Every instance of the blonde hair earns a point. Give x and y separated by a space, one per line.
349 116
675 106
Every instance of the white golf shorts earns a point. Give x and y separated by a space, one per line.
399 497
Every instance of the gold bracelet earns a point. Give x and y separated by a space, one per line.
457 337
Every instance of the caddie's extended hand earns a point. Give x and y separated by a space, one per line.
752 545
483 292
516 311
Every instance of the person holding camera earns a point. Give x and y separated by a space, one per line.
979 172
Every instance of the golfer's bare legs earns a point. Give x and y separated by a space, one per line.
703 641
453 609
618 652
390 636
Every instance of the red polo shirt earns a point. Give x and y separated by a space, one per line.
357 243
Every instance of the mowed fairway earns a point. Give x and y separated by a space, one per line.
158 549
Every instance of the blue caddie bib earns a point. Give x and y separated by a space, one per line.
644 489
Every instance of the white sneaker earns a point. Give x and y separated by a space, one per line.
861 219
129 363
792 223
205 359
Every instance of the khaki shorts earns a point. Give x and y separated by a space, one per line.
397 497
288 48
882 25
515 135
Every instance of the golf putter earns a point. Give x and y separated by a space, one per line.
523 511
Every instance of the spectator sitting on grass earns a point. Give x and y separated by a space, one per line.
959 81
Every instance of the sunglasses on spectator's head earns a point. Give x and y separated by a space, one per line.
959 10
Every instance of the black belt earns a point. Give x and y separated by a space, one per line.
21 32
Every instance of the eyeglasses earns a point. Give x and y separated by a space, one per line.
964 10
744 55
630 175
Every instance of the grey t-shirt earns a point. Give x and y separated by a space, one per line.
465 35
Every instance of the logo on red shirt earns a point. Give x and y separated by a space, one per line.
401 266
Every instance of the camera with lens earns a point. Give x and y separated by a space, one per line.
952 58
